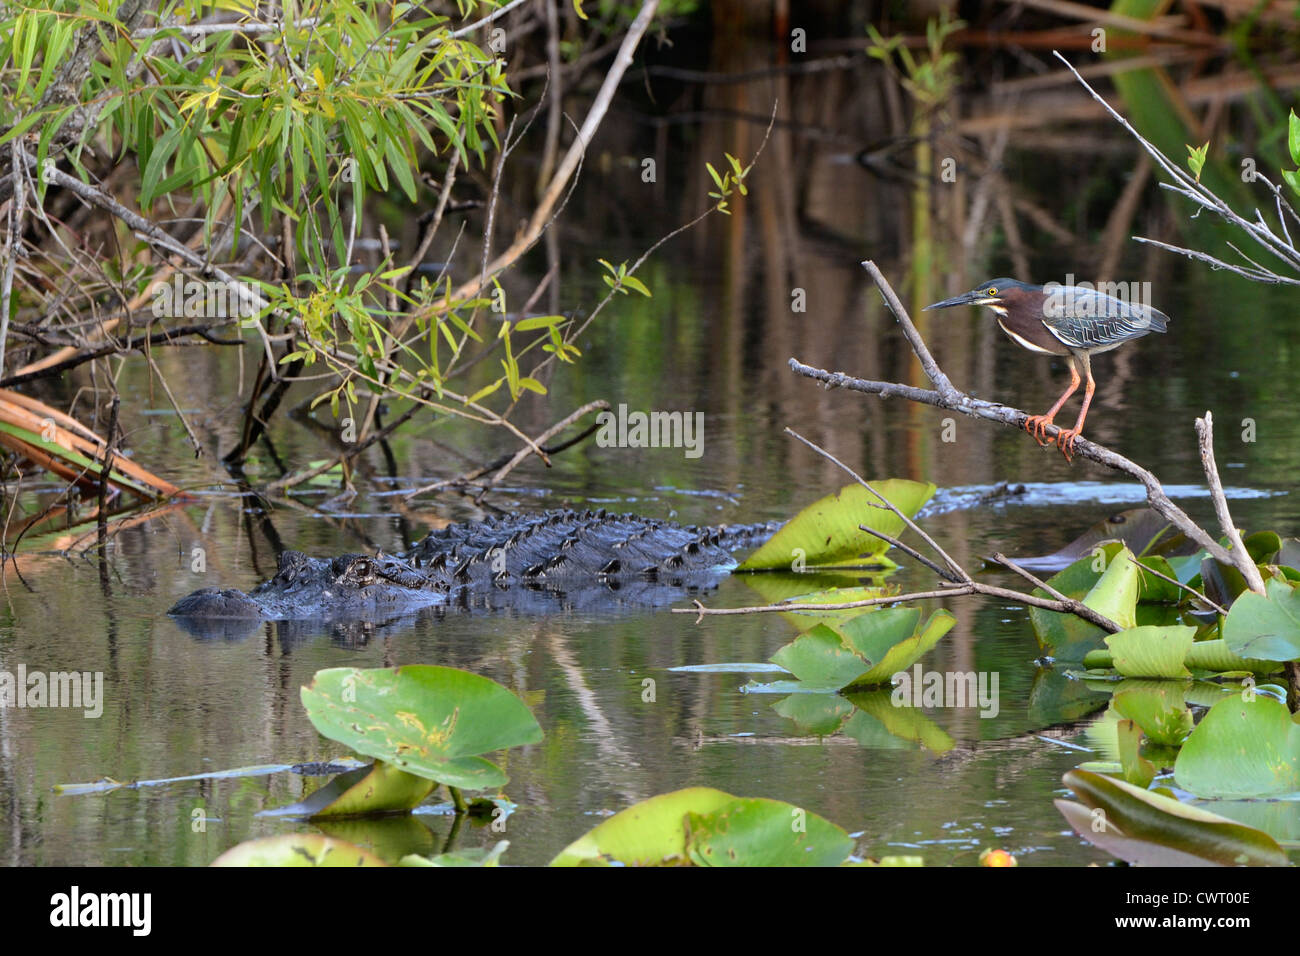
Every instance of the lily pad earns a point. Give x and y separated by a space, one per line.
1145 828
1266 627
1242 748
429 721
820 659
1112 592
701 826
297 849
826 533
1152 651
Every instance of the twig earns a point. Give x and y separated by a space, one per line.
1239 556
509 464
1078 608
908 549
966 587
1146 569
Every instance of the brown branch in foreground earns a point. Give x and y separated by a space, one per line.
945 395
1077 608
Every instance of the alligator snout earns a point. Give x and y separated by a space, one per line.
217 603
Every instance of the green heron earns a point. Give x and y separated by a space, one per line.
1072 321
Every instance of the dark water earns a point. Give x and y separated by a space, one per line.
715 338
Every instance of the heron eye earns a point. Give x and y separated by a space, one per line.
991 291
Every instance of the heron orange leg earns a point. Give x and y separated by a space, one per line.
1065 439
1036 425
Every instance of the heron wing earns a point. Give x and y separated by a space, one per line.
1087 319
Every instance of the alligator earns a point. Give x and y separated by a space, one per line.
505 561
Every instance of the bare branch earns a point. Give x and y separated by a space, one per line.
1240 557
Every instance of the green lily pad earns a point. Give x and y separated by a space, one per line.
297 849
1265 627
820 659
826 533
1152 651
1242 748
901 654
756 832
471 856
429 721
1112 592
1145 828
705 827
1157 707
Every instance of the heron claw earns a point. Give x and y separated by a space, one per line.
1065 441
1036 425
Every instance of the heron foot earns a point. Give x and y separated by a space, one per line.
1065 441
1036 425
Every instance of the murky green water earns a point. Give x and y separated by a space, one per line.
715 338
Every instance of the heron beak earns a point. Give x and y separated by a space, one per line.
966 298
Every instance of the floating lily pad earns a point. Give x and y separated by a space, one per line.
471 857
1242 748
297 849
1112 592
826 533
1151 651
701 826
1145 828
429 721
1265 627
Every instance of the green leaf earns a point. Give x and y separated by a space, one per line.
879 638
1266 627
539 322
1293 136
826 533
1196 159
1242 748
1147 828
1116 593
429 721
1152 651
701 826
1157 707
821 660
632 282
